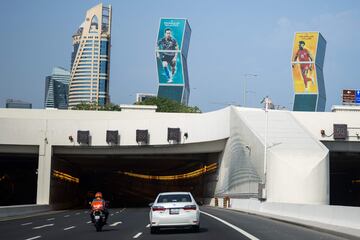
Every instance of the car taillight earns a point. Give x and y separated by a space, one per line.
158 208
190 207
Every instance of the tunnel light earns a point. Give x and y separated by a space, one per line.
65 177
193 174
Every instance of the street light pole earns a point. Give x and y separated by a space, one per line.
247 75
264 189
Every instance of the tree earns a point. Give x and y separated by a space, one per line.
167 105
97 107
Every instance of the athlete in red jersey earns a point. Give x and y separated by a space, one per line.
304 56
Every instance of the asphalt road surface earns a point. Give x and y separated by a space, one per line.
133 223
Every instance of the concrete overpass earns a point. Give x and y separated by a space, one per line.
301 161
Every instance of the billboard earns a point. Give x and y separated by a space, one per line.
303 62
169 68
171 34
304 77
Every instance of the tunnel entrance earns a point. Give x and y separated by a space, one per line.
127 180
345 178
18 178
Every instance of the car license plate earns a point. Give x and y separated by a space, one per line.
97 217
174 211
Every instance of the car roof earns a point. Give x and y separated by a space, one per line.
172 193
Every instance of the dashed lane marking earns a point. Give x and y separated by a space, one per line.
248 235
77 213
68 228
148 225
28 223
67 216
32 238
43 226
137 235
50 219
88 222
111 214
117 212
115 223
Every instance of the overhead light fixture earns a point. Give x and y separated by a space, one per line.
112 137
174 135
83 137
142 136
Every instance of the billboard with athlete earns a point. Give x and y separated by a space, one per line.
303 62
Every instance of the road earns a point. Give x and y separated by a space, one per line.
133 223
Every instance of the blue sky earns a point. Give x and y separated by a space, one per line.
229 39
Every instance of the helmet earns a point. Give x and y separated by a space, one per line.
98 195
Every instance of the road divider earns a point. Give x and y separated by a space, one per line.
44 226
32 238
25 224
114 224
137 235
68 228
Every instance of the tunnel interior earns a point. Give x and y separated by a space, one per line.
111 175
345 178
18 179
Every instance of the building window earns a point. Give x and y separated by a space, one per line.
103 66
104 47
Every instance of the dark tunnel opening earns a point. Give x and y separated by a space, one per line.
112 175
18 179
345 178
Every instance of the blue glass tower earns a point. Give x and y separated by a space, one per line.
57 89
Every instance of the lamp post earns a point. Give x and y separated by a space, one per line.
267 102
247 75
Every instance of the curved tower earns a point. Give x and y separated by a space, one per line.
90 60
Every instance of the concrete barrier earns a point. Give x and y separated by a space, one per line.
333 218
17 210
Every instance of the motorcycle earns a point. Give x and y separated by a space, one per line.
99 219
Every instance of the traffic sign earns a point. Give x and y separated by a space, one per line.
357 96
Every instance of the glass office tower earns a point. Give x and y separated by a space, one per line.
90 59
57 89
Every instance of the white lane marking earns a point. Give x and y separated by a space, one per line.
43 226
88 222
67 216
248 235
122 210
115 223
148 225
111 214
32 238
137 235
24 224
77 213
85 211
117 212
50 219
68 228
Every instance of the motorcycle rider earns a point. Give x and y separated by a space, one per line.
99 204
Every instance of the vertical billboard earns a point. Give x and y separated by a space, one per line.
307 61
171 50
303 62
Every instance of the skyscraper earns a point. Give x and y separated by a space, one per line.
57 89
90 60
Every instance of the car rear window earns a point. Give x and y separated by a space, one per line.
174 198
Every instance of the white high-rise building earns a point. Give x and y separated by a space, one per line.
90 62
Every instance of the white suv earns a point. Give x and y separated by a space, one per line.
174 209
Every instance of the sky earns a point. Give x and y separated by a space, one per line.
230 40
